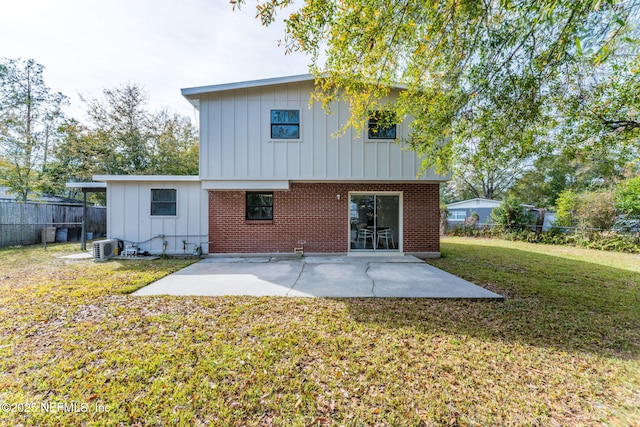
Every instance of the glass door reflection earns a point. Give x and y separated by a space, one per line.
374 221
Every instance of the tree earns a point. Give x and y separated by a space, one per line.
494 148
627 197
599 106
551 174
132 140
455 59
29 116
121 124
174 145
76 158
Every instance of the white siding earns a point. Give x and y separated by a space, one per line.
129 215
236 142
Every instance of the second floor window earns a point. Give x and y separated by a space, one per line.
285 124
381 125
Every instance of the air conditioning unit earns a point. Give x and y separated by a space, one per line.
104 249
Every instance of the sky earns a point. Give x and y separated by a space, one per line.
161 45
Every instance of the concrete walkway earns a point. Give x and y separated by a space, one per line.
316 276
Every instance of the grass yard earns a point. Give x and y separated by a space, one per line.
562 349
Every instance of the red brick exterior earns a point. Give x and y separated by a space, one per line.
311 213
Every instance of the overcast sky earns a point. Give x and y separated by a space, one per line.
162 45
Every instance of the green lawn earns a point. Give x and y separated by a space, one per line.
562 349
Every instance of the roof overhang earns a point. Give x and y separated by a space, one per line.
246 185
193 93
146 178
88 187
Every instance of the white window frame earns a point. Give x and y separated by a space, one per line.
267 123
151 190
456 217
400 233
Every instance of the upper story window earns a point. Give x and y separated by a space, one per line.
260 206
285 124
381 125
163 202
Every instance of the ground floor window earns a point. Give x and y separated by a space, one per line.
457 215
163 202
259 206
374 221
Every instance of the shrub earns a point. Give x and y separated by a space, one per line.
605 241
566 202
587 210
511 215
627 197
595 210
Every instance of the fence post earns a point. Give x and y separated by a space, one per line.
83 239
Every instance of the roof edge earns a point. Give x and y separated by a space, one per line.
147 178
193 91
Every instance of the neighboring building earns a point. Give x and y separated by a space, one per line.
7 196
274 178
458 212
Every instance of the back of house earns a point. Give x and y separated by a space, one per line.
276 176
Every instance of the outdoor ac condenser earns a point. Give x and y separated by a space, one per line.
104 249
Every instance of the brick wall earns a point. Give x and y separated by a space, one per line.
311 213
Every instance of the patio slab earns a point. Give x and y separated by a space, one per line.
317 276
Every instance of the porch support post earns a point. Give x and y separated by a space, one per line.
83 239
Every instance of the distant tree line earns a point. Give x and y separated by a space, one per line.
41 148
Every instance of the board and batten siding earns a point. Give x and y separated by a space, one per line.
129 216
236 141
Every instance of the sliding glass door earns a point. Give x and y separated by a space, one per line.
374 222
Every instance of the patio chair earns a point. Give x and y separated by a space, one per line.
386 235
363 235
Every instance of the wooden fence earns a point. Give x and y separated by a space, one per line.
22 223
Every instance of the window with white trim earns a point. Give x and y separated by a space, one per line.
163 202
381 125
285 124
457 215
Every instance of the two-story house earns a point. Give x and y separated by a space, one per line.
274 178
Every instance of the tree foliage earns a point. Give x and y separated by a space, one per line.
599 107
551 174
123 137
475 73
627 197
29 117
120 123
567 203
40 149
511 214
586 210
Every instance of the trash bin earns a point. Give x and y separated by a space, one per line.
48 235
89 235
61 234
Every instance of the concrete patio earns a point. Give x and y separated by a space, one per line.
316 276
